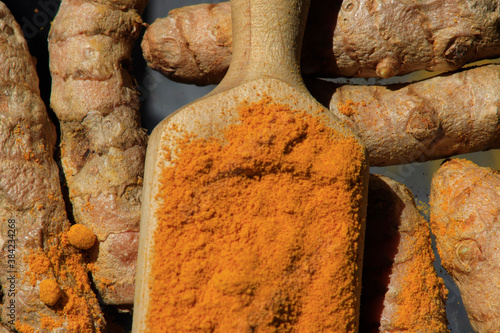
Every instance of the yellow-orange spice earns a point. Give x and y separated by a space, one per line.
50 324
348 108
106 284
81 237
50 293
418 304
24 328
76 312
39 265
260 232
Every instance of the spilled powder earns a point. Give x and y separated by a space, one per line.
419 303
260 232
349 107
76 312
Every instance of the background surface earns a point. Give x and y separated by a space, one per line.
161 97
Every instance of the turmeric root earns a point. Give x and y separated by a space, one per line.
192 44
401 290
33 242
395 37
102 145
435 118
464 218
356 38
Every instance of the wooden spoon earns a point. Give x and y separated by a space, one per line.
266 53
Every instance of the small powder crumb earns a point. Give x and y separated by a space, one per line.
51 323
24 328
39 265
106 284
81 237
49 292
347 108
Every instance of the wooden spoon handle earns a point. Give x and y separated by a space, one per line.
267 40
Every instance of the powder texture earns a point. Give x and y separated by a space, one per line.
81 237
66 263
50 292
420 304
260 231
348 108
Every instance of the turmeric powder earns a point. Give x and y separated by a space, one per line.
50 293
71 304
81 237
260 231
348 108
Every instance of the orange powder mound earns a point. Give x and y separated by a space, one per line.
81 237
260 232
77 310
50 292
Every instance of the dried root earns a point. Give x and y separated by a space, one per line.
358 38
464 217
436 118
102 145
33 241
401 290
